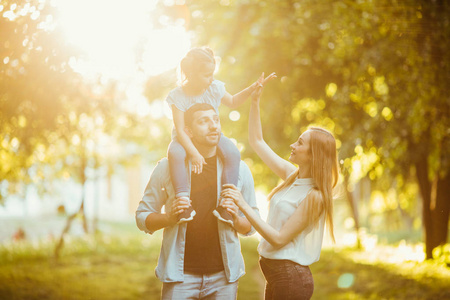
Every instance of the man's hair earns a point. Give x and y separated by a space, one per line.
189 114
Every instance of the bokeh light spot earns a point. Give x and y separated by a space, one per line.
234 115
346 280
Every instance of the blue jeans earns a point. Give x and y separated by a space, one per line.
286 279
209 286
228 152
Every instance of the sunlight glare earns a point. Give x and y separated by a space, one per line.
165 49
109 32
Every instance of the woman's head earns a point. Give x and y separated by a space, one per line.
301 152
198 66
315 153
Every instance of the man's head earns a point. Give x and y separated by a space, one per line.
202 125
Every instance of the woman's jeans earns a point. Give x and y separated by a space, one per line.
286 279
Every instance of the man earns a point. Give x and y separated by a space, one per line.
200 258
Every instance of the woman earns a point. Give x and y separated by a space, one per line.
299 207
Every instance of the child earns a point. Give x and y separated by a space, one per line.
198 86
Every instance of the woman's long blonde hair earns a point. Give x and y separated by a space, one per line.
324 171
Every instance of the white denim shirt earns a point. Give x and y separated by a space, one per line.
159 192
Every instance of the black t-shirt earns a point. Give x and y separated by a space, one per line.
202 251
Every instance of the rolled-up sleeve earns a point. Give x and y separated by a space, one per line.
248 191
155 196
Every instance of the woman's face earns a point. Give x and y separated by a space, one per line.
300 150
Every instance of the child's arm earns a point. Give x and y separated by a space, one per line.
197 159
234 101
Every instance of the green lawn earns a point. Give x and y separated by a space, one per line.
121 266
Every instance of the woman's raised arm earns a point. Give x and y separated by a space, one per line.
278 165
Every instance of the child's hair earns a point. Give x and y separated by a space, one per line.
325 172
194 60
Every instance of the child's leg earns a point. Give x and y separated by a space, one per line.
177 168
231 158
178 174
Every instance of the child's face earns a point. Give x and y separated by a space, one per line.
205 76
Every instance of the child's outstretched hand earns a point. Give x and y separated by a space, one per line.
260 84
197 162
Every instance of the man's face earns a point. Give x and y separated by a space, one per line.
205 128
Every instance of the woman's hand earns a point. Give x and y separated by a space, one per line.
230 206
197 161
230 191
260 84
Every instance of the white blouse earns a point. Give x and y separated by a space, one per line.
305 248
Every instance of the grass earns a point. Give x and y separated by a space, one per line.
350 274
121 266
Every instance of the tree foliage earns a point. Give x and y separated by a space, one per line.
376 73
54 122
37 87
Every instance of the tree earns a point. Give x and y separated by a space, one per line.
36 87
375 73
51 117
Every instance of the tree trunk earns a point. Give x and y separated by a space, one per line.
60 244
441 210
435 208
81 211
353 209
83 184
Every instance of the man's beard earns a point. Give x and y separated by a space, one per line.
208 140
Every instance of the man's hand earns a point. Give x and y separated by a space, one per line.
178 206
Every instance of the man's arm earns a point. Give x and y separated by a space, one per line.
156 221
149 217
153 200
